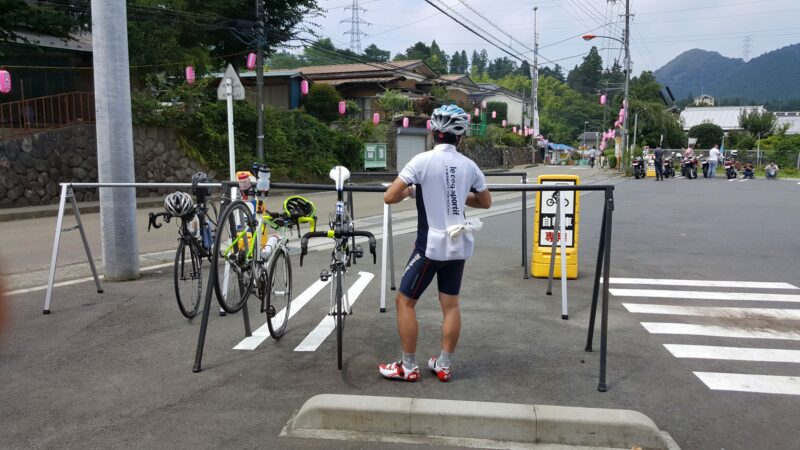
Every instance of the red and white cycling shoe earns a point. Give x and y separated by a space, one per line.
396 371
443 373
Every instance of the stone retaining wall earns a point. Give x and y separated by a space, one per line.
32 166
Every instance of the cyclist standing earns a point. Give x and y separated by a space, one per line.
442 181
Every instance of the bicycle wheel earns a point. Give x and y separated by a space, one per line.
279 293
340 312
188 277
232 260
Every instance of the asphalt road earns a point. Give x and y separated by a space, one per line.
114 370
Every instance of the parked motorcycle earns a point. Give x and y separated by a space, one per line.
689 167
730 168
704 163
669 171
639 168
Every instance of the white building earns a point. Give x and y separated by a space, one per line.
704 100
791 118
727 117
493 93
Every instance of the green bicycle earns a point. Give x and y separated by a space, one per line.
246 260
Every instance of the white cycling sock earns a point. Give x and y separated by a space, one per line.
409 360
444 359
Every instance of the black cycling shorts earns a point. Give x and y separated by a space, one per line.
420 271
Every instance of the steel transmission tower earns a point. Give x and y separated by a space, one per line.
355 22
746 46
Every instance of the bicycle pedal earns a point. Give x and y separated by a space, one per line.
324 275
271 311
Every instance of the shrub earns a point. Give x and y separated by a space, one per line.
512 139
502 112
322 102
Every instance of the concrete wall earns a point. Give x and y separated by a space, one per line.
32 166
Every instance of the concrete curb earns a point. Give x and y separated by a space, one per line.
337 416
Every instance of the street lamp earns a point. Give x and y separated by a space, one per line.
626 45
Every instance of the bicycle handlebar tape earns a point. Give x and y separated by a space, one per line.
304 242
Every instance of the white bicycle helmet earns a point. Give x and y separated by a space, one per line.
449 119
179 204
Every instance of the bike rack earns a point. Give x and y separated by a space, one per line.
67 192
603 258
603 253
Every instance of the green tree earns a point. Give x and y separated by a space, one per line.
501 67
586 76
57 20
438 60
524 69
480 62
394 102
375 54
420 50
284 60
456 65
322 102
758 123
554 72
323 52
166 37
464 62
708 134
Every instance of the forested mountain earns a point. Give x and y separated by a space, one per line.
771 76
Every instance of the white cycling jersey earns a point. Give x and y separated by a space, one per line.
443 178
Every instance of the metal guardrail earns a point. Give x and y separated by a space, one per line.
42 113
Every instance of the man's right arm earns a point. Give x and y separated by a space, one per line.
482 200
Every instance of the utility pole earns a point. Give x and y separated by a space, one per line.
112 87
635 128
355 22
535 87
260 41
626 104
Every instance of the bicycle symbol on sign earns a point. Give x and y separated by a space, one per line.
552 200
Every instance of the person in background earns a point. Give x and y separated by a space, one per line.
658 156
713 159
771 170
748 171
592 156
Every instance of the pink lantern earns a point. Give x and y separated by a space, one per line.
477 112
342 107
5 82
603 145
251 61
428 124
469 118
505 123
405 122
304 87
483 104
514 130
376 118
603 99
190 74
494 114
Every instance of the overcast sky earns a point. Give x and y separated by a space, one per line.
661 29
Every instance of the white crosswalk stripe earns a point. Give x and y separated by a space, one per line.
703 314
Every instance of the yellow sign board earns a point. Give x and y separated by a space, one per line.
544 231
